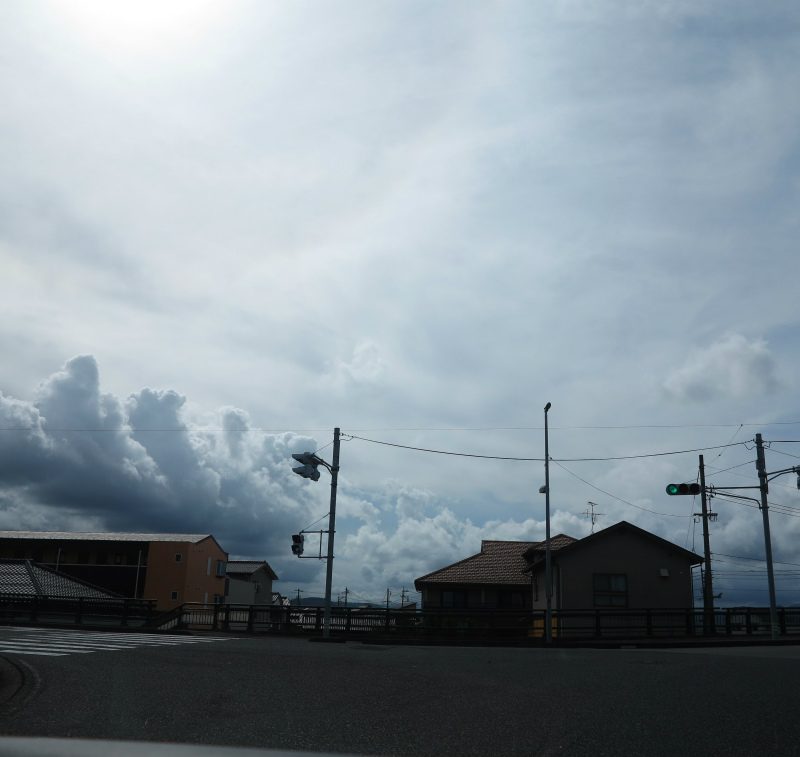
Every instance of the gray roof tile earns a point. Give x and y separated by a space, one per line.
26 577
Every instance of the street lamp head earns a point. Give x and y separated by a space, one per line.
547 407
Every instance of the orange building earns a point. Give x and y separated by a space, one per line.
169 568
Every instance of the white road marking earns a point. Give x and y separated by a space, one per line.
59 643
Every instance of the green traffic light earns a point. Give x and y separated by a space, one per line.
692 489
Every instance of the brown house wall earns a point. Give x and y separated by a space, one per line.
638 557
478 597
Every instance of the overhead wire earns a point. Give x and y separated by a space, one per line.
792 513
755 559
614 496
538 459
716 471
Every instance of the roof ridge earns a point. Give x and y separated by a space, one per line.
34 578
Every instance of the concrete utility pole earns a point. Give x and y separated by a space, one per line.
761 468
326 631
548 589
709 624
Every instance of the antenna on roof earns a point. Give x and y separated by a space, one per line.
593 515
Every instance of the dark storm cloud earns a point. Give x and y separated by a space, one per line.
76 453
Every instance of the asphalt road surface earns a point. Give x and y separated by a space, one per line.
393 700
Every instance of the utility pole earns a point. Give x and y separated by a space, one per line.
548 589
403 594
326 631
388 594
299 592
709 625
761 468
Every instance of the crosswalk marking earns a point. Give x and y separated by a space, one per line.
60 643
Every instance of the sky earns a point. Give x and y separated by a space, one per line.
228 227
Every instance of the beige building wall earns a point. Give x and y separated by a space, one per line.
205 580
179 572
256 590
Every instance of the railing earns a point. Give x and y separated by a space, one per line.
32 608
486 625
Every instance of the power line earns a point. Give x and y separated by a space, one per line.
780 509
539 459
788 454
613 496
724 470
756 559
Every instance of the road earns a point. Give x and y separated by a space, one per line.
293 694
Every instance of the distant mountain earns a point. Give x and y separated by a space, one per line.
320 602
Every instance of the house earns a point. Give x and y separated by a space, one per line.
620 567
168 568
249 582
493 578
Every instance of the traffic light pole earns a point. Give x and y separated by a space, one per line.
709 625
326 630
763 486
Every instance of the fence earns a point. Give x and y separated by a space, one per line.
32 608
484 625
509 626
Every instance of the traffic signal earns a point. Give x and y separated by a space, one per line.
673 489
297 544
308 469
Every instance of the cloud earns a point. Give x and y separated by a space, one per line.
77 457
732 367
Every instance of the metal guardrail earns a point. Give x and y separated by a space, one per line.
32 608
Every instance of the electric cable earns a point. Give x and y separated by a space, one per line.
539 459
756 559
614 496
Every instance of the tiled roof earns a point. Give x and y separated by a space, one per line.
78 536
498 562
26 577
538 550
248 567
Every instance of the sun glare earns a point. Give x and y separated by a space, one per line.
142 26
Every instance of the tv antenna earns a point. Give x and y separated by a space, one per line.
593 515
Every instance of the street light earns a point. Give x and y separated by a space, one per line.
308 469
548 614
